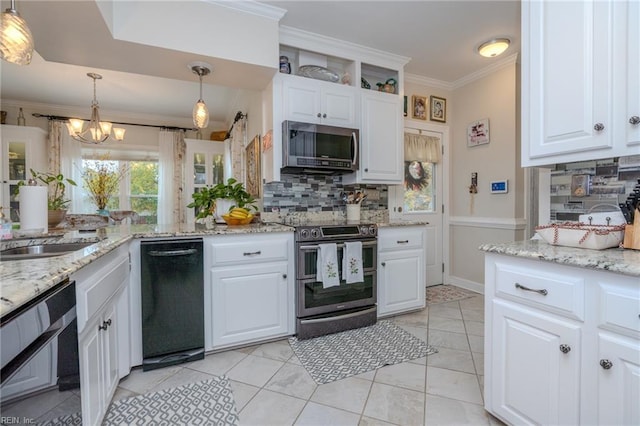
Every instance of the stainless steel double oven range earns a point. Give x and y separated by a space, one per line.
322 310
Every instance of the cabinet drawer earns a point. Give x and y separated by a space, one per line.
620 308
99 289
547 290
250 251
409 238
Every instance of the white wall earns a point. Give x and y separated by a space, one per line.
484 217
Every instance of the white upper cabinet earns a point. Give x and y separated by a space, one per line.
579 71
319 102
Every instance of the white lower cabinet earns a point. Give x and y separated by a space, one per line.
535 365
249 289
562 344
401 269
101 293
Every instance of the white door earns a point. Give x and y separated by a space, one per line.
421 198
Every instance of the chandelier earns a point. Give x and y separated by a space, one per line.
16 41
98 131
200 110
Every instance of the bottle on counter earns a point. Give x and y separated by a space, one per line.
5 226
21 120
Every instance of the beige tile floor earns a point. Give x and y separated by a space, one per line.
271 387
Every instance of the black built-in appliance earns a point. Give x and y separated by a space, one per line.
172 280
316 148
322 310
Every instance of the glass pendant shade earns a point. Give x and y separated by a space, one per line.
200 114
16 41
494 47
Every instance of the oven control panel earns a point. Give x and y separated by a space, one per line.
335 232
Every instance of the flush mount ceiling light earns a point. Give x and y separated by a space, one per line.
16 41
98 131
494 47
200 110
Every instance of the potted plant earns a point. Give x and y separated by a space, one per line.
102 181
220 198
56 200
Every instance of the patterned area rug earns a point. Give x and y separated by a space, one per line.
351 352
447 293
205 403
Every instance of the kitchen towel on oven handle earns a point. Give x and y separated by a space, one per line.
352 262
327 265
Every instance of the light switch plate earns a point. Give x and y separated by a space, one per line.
499 186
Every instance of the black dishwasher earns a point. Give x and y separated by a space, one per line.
172 280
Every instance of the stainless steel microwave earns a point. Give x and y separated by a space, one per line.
315 148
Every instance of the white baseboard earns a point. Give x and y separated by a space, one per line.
466 284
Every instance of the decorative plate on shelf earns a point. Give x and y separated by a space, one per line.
318 73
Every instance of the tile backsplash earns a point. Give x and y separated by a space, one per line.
600 185
313 194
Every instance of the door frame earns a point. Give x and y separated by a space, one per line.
445 165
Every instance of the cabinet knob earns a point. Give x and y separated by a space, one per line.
383 263
635 120
284 276
598 127
319 115
324 115
105 324
606 364
564 348
366 170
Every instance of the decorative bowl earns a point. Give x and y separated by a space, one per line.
237 221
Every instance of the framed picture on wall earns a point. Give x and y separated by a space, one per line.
419 107
253 178
478 132
438 109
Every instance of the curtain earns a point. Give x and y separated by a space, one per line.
170 177
421 148
70 162
53 145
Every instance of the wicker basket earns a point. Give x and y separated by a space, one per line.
572 234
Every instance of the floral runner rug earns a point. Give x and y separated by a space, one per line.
447 293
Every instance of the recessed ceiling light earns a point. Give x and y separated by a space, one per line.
493 47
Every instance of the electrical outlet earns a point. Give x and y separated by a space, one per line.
372 194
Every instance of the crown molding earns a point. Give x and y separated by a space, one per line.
427 81
481 73
252 7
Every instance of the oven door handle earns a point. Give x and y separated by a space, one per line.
339 245
338 317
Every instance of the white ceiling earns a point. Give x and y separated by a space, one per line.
441 37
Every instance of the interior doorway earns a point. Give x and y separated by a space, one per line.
422 196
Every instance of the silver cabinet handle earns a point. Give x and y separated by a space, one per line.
565 348
252 253
402 242
543 291
606 364
105 324
635 120
598 127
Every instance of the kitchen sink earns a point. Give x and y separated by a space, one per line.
40 251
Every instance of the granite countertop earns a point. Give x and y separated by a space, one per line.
22 280
398 223
621 261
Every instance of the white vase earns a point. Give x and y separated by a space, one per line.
222 207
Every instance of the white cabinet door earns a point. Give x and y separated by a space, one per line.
532 380
628 17
23 148
248 303
567 80
381 142
618 380
319 102
401 282
91 373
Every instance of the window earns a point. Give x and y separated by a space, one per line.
138 191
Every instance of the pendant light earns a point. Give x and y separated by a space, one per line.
98 131
494 47
200 110
16 41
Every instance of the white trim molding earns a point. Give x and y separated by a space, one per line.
514 224
466 284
